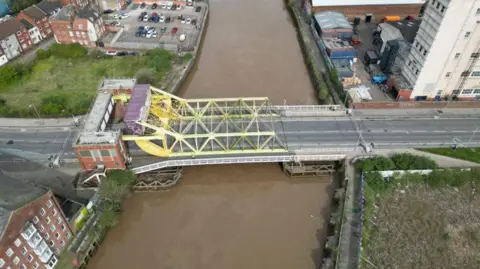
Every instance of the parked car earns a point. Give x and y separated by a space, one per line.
189 3
151 29
144 33
149 35
143 13
182 20
163 30
188 21
111 52
145 18
164 6
122 53
194 22
134 53
146 28
143 5
169 6
154 35
175 7
174 30
156 19
124 16
198 9
154 6
108 11
140 18
168 19
162 18
115 23
154 14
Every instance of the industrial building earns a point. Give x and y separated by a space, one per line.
442 62
368 10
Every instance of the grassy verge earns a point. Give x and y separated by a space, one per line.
467 154
59 84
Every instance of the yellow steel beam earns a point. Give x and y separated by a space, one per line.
137 137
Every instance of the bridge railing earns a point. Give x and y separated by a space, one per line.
236 160
309 107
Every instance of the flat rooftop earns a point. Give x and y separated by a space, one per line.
97 112
96 138
335 43
111 84
329 20
336 3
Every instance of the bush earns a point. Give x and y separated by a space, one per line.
23 69
407 161
8 75
68 50
43 54
145 76
53 105
96 54
377 164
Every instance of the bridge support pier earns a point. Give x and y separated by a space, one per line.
309 169
159 180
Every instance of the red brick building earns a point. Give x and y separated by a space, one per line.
84 26
368 10
33 227
37 18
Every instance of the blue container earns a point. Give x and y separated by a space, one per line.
379 79
343 54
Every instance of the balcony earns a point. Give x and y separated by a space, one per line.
28 231
35 240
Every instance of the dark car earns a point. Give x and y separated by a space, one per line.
143 13
138 33
144 33
108 11
197 9
140 28
168 19
174 7
140 18
163 29
154 6
143 5
151 19
122 53
134 53
194 22
156 19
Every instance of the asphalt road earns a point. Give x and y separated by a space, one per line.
300 133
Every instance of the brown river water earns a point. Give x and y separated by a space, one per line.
237 216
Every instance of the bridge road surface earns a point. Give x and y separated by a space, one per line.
300 133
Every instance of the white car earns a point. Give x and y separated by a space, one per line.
164 6
145 18
154 34
182 21
162 19
146 28
169 6
188 21
124 16
149 35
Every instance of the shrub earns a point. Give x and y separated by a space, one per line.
8 75
53 104
96 54
68 50
145 76
43 54
23 69
377 164
407 161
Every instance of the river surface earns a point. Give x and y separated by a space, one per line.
235 216
250 50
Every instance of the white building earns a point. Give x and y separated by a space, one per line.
443 60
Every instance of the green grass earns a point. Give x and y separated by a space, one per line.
468 154
78 78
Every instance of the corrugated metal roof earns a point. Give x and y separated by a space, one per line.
332 20
137 102
323 3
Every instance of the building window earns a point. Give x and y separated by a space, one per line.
113 152
47 236
40 27
57 235
409 63
84 153
52 262
442 9
457 55
51 243
62 243
425 53
30 258
23 266
42 212
18 33
53 228
475 55
467 91
478 11
80 26
448 74
24 250
17 242
54 212
9 252
476 91
16 260
2 263
455 92
63 227
416 72
465 74
42 228
49 203
47 220
59 220
35 265
475 74
68 235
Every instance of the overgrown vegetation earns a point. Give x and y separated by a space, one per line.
321 89
18 5
420 221
113 191
468 154
63 80
336 83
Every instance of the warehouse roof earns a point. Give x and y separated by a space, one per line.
332 20
408 28
323 3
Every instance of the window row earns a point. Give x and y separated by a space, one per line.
466 91
439 6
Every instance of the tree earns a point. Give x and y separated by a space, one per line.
377 164
8 74
43 54
145 76
19 5
407 161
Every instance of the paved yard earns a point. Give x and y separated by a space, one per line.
165 38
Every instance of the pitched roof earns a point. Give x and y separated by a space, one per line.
35 13
65 13
408 28
26 24
14 194
9 27
49 7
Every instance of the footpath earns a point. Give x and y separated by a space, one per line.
36 123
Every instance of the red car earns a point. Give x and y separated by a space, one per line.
174 30
154 14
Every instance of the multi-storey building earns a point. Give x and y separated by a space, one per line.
443 60
33 32
37 18
3 57
84 26
33 227
14 38
50 7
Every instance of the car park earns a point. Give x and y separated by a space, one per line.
154 6
111 52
